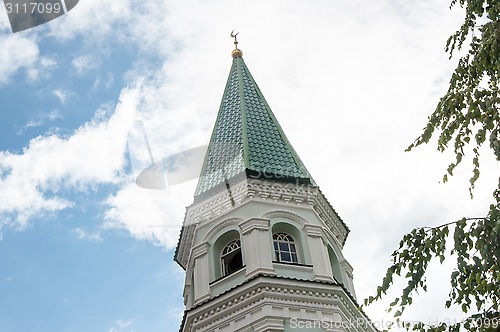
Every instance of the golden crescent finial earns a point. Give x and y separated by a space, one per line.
235 40
237 53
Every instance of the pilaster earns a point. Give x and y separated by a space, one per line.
201 268
257 252
347 271
321 264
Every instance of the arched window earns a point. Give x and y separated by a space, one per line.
230 259
284 248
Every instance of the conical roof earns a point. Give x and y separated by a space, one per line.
247 140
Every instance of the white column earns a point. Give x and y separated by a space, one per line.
256 247
347 274
201 272
319 253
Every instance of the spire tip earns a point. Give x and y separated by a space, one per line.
236 53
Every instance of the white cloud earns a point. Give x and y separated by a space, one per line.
41 120
62 95
94 19
145 214
54 115
84 235
16 52
84 63
42 69
106 82
32 124
20 51
94 154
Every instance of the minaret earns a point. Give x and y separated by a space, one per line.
261 245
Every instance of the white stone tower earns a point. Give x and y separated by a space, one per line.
261 245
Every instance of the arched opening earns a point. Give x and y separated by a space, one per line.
227 254
230 259
285 250
287 244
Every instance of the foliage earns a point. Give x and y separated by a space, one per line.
468 112
467 115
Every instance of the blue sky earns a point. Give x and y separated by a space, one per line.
59 270
83 248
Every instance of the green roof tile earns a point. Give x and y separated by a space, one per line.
247 138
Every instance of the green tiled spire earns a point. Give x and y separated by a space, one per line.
247 140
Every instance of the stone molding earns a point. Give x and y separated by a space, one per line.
314 230
251 224
277 292
265 324
247 190
200 250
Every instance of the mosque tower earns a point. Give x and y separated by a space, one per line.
261 245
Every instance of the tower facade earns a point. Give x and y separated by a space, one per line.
261 245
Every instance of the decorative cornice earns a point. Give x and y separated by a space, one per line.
254 223
314 230
299 195
269 324
200 250
248 190
217 204
324 295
